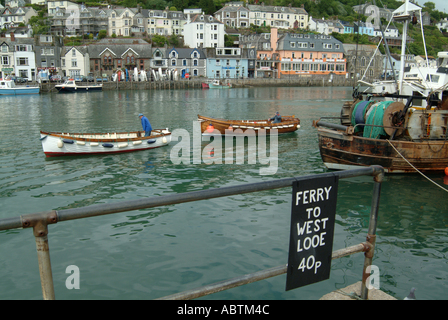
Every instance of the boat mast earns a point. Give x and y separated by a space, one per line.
403 46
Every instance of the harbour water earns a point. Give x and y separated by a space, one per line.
147 254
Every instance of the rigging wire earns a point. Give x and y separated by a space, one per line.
415 167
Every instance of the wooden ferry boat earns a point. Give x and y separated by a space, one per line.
56 144
288 124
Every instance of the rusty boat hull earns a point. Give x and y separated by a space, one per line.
342 151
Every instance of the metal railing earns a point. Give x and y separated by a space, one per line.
40 221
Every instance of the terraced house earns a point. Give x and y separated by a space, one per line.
278 17
292 55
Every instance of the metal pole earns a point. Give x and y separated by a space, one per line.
46 276
253 277
371 235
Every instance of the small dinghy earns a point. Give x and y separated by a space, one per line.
57 144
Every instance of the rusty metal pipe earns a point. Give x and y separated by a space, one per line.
43 259
253 277
371 234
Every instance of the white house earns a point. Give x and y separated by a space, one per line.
389 32
75 61
442 24
120 21
24 57
204 31
325 27
53 6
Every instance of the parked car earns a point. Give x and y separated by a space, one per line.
90 78
55 78
20 80
80 78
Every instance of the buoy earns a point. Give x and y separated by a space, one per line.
94 144
122 145
108 145
164 140
210 128
60 143
446 171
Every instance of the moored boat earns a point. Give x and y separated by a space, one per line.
400 125
216 84
288 124
8 87
55 144
70 85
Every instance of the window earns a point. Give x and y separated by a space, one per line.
21 47
22 61
74 63
173 62
5 60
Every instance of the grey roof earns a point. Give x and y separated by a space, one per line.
284 43
118 47
232 9
205 18
185 53
279 9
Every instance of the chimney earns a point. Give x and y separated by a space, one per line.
12 36
274 39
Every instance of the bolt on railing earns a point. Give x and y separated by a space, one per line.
40 221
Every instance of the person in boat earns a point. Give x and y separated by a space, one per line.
145 124
277 118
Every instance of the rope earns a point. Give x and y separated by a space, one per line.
415 167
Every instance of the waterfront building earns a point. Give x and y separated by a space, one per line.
48 50
7 56
23 57
363 59
109 54
227 62
75 61
291 55
204 31
187 61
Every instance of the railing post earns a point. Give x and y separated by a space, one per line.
371 234
43 258
39 222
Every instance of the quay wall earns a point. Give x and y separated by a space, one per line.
311 81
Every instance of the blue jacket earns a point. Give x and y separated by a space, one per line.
145 124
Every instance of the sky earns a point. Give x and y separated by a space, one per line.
441 5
